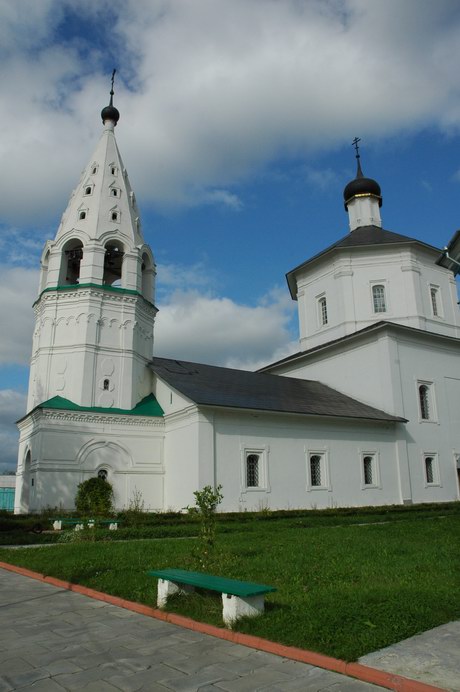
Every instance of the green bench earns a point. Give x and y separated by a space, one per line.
239 598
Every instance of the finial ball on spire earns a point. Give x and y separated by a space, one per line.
110 112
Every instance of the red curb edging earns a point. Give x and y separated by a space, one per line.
398 683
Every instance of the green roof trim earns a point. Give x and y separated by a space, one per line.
148 406
100 287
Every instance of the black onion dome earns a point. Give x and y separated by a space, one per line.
110 113
362 186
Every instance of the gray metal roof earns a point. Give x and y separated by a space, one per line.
365 236
208 385
450 257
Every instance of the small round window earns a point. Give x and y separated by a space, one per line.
103 474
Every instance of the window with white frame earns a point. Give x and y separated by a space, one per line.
435 298
431 468
378 298
369 470
317 471
426 401
254 470
322 311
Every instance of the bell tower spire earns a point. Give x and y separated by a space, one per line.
95 311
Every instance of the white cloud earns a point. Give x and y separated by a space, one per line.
217 89
12 407
203 328
322 179
224 198
18 290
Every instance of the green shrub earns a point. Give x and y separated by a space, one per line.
207 501
94 496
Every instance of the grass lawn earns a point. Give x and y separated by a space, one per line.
343 591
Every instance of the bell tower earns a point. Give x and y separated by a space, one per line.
94 314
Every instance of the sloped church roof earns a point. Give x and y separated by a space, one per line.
209 385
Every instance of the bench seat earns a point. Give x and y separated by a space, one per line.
239 598
80 523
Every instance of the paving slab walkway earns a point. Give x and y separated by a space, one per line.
433 657
53 639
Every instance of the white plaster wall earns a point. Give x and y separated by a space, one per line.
346 280
285 442
84 336
170 400
182 461
439 364
67 449
383 370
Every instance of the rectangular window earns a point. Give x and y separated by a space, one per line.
252 471
368 472
317 471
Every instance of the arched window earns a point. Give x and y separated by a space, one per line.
429 470
106 385
252 471
113 263
82 215
424 400
72 256
88 190
378 298
26 483
434 295
103 474
322 311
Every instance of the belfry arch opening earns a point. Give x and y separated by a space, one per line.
113 263
148 273
72 256
44 271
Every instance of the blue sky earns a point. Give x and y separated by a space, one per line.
236 128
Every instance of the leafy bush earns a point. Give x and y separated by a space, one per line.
207 501
94 496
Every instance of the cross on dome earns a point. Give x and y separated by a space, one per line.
110 112
361 186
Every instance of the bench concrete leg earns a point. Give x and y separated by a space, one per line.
57 525
235 607
113 527
167 588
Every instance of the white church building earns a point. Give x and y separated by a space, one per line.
366 413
